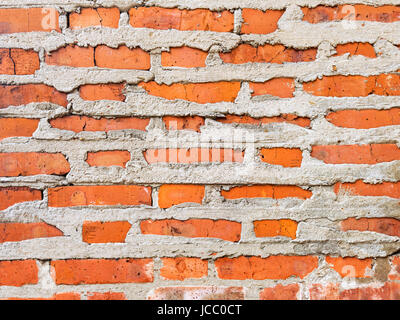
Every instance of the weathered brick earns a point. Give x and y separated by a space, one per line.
183 268
95 92
12 232
360 188
184 57
108 158
99 271
173 194
18 273
184 123
122 58
12 195
260 22
18 61
196 293
289 118
72 56
389 226
351 267
17 127
394 273
274 228
280 292
199 19
266 191
273 267
105 232
210 92
279 87
32 163
194 228
106 296
99 196
356 49
282 156
88 17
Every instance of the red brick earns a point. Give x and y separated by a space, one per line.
96 92
28 20
343 12
83 123
12 232
351 267
17 127
257 21
102 271
357 154
273 267
72 56
354 86
108 158
282 156
106 296
18 61
32 163
279 87
105 232
199 19
210 92
12 195
197 293
266 191
280 292
57 296
173 194
389 226
17 273
29 93
193 155
183 268
359 188
268 53
394 273
365 119
356 49
274 228
289 118
184 57
183 123
99 196
194 228
88 17
122 58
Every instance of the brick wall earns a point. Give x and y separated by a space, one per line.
199 149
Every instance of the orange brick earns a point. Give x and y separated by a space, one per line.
389 226
17 127
360 188
356 49
354 86
289 118
99 271
106 296
72 56
88 17
18 273
184 57
105 232
211 92
280 292
282 156
197 293
350 267
268 53
193 155
28 20
122 58
279 87
257 21
96 92
29 93
173 194
273 267
108 158
12 195
199 19
99 196
361 13
57 296
32 163
183 123
18 61
274 228
394 273
183 268
194 228
365 119
82 123
12 232
266 191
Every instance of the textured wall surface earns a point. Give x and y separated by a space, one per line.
200 149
